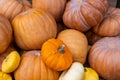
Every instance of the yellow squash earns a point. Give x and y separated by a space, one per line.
90 74
11 62
4 76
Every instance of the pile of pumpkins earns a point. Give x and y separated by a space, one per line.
59 40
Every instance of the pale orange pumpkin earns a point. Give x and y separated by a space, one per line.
32 28
76 42
11 8
110 26
54 7
84 14
5 33
32 67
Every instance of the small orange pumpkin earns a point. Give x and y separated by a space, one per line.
56 55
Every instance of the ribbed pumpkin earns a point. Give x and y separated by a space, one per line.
76 42
32 28
5 33
110 26
11 8
56 55
104 58
54 7
84 14
4 54
32 67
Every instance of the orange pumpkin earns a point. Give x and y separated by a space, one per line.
56 55
76 42
5 33
110 26
104 58
32 67
54 7
4 54
84 14
32 28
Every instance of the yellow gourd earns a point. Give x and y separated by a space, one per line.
90 74
4 76
11 62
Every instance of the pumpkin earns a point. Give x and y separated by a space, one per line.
4 55
60 27
5 33
92 37
104 58
90 74
11 62
32 67
32 28
75 72
11 8
84 14
4 76
54 7
110 25
56 55
77 43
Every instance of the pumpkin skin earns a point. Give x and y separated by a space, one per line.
32 67
56 55
110 25
32 28
104 58
4 55
75 72
76 42
84 14
11 8
4 76
5 33
54 7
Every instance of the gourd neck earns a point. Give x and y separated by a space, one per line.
61 49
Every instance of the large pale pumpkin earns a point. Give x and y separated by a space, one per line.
104 58
56 55
32 67
4 54
110 26
54 7
76 42
5 33
11 8
32 28
84 14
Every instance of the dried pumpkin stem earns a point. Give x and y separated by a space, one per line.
61 49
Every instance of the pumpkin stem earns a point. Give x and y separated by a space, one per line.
61 49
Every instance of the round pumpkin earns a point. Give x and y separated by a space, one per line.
32 67
110 26
4 55
104 58
5 33
32 28
76 42
84 14
4 76
54 7
56 55
11 8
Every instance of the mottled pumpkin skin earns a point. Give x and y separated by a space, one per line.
5 33
56 55
4 54
32 67
77 43
11 8
32 28
104 58
84 14
54 7
110 26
